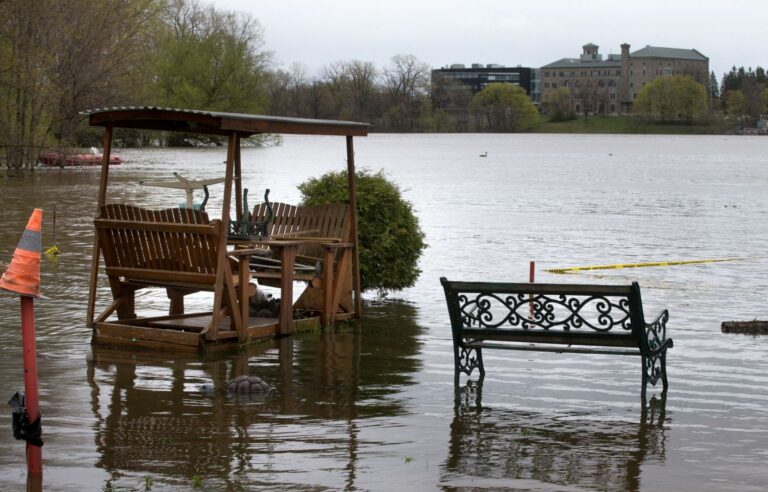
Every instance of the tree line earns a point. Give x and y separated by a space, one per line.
59 57
744 93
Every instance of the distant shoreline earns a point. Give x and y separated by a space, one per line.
632 125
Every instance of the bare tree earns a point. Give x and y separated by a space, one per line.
406 83
63 57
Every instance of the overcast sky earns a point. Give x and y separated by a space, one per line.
531 33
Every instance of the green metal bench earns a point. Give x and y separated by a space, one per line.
590 319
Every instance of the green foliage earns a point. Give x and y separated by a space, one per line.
672 98
735 102
391 240
208 59
765 101
559 105
505 107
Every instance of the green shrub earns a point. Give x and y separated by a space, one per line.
391 240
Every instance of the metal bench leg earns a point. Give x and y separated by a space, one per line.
664 373
645 379
466 359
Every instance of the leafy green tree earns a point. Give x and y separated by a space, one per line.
505 107
207 59
735 102
559 105
677 97
765 101
58 58
391 240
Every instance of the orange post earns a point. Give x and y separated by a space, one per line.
23 277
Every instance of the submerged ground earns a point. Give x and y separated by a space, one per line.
373 406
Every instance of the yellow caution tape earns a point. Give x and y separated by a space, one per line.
638 265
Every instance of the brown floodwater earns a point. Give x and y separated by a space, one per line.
372 406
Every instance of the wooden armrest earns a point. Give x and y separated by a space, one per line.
338 245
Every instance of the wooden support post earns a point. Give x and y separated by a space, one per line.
328 316
96 251
177 301
287 252
352 184
244 281
238 181
211 332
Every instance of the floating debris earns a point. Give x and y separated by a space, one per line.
754 327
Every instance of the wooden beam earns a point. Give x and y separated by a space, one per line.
212 329
287 251
244 280
352 183
238 181
91 310
327 316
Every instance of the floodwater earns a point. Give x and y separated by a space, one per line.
373 407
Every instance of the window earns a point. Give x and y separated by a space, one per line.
613 95
546 74
578 108
554 85
546 85
613 108
561 74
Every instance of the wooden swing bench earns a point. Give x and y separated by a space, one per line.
179 250
323 256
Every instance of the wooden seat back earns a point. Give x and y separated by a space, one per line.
317 222
173 246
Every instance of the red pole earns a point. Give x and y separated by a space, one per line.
34 453
531 277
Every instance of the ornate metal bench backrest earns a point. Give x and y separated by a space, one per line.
545 307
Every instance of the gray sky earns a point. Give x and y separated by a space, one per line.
531 33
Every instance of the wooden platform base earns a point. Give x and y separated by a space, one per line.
754 327
184 333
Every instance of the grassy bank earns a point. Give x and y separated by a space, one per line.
627 124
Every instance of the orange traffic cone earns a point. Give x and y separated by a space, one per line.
23 273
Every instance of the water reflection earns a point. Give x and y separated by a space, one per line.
490 444
151 419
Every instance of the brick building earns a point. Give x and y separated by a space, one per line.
610 85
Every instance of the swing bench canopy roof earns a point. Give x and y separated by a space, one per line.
218 123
